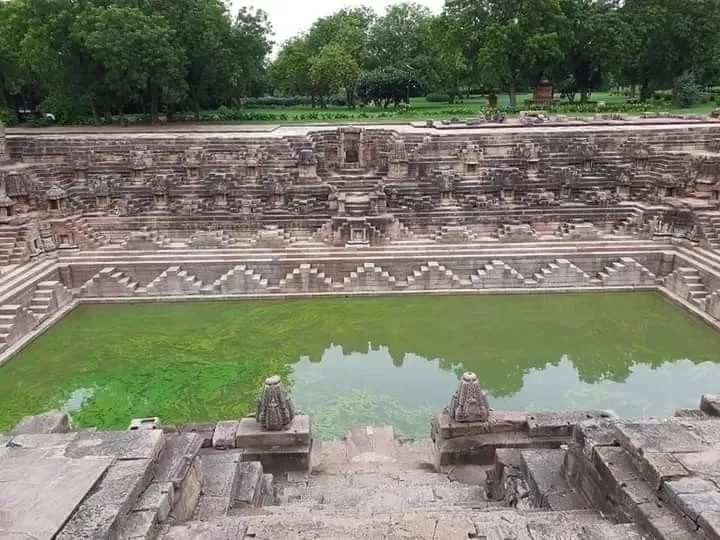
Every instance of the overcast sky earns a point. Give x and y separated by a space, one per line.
291 17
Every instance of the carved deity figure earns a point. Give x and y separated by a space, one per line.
102 186
275 410
469 403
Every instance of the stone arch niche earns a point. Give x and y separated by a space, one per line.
351 148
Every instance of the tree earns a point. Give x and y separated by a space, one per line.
113 37
332 70
348 28
291 70
402 37
386 85
510 42
593 37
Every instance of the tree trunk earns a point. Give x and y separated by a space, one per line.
512 95
584 96
154 98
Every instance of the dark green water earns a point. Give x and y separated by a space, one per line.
364 361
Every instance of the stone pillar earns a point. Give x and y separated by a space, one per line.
276 435
3 144
398 164
307 164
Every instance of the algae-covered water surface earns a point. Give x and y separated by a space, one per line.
364 361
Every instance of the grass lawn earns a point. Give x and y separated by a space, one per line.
420 109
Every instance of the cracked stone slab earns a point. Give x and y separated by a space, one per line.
661 437
694 504
226 529
561 424
37 496
705 463
139 444
660 467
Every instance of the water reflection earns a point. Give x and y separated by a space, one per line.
342 388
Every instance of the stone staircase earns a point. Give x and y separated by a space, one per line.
433 275
710 225
109 283
626 272
497 274
49 297
16 321
240 279
174 282
658 474
562 273
687 284
8 240
369 277
306 278
92 238
373 484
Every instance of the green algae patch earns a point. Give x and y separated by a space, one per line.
389 360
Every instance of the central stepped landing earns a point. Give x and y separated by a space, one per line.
375 485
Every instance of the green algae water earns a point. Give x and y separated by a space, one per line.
389 360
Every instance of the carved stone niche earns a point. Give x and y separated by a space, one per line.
638 153
221 184
584 153
307 164
194 158
140 161
80 163
251 164
530 152
669 186
102 187
469 403
352 141
160 185
568 178
57 199
446 181
624 181
703 174
504 180
471 156
398 163
276 188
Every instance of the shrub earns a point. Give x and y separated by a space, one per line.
685 91
7 116
437 98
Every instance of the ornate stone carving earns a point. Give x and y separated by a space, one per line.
471 156
275 408
584 152
56 198
140 161
505 179
469 403
276 187
102 187
307 164
446 180
398 160
529 152
568 178
194 159
638 152
160 185
6 203
221 184
17 184
624 181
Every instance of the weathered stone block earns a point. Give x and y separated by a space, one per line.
657 468
46 423
225 434
561 424
227 529
118 444
159 498
710 404
643 437
250 434
280 459
709 522
91 522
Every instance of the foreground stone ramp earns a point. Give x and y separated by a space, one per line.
662 475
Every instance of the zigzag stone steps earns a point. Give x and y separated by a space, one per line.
369 277
305 278
174 282
687 284
240 279
626 271
498 275
562 273
433 276
109 282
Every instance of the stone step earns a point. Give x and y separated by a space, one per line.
548 487
249 490
220 473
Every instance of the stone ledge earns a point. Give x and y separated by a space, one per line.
250 435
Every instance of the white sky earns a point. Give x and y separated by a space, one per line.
291 17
